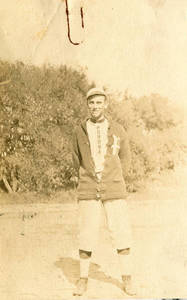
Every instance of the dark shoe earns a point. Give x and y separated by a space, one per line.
81 287
128 286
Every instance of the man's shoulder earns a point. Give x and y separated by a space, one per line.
79 127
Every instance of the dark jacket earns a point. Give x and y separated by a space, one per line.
116 166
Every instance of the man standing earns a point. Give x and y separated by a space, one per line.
101 156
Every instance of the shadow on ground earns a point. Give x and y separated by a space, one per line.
70 269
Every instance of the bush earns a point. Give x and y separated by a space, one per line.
39 109
154 129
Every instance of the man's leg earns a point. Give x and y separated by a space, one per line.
84 257
125 262
89 221
119 226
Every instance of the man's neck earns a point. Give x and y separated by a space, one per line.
100 120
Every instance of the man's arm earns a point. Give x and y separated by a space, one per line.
125 154
75 154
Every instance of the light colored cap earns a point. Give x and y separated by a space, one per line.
95 91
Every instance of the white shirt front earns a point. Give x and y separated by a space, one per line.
98 137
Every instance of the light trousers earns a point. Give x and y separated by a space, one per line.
117 217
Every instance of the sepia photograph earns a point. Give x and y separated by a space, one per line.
93 152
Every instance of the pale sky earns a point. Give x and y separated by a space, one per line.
139 45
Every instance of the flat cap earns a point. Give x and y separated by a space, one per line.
95 91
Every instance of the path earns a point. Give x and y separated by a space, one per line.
39 241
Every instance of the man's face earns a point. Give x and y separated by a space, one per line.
97 105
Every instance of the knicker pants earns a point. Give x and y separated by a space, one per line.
117 217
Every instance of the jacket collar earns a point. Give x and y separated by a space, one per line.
83 124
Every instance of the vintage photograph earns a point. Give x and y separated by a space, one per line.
93 152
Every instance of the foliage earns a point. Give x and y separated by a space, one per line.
154 127
39 110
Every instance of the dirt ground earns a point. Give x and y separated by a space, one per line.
38 258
